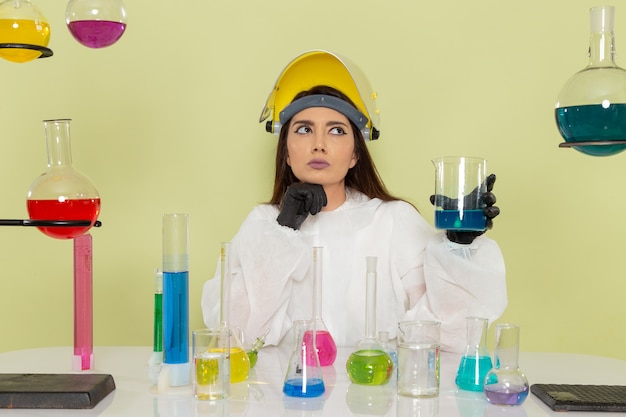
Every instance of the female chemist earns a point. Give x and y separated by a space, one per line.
327 193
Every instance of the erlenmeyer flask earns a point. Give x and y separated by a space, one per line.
62 192
476 361
326 347
505 383
239 360
304 374
369 364
96 23
24 32
591 107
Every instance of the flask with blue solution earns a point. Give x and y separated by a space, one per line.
590 111
476 361
304 373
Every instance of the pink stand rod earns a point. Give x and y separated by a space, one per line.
83 304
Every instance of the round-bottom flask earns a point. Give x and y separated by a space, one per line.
369 363
590 111
62 192
505 383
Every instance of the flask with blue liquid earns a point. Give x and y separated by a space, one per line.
476 361
590 111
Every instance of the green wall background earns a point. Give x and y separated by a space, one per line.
166 121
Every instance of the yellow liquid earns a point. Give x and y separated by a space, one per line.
207 370
239 364
32 32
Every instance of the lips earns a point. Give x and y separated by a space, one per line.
318 164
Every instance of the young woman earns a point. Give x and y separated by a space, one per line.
327 192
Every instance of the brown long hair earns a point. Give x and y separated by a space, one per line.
363 177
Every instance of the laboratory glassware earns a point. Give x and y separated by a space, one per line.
304 373
419 358
156 357
388 346
505 383
590 111
253 352
96 23
459 185
239 359
62 192
476 361
369 364
83 303
176 298
326 347
24 32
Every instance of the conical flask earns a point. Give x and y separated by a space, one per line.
369 364
591 107
324 342
62 192
505 383
476 361
304 374
96 23
239 360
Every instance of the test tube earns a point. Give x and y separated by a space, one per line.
83 304
176 299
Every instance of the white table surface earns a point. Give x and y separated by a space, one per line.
261 394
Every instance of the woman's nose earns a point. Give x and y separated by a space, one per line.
319 143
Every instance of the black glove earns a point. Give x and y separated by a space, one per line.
299 200
491 211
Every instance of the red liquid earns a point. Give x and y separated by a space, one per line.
326 348
96 33
79 209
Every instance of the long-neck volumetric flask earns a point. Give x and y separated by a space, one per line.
83 304
239 359
62 192
304 374
176 298
369 364
590 111
326 347
505 383
476 361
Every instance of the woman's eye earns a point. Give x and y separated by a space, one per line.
338 131
303 129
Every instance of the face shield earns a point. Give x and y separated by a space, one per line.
322 68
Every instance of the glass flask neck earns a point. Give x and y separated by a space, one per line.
370 300
58 142
601 37
477 336
507 346
317 282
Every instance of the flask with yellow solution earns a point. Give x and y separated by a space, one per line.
23 24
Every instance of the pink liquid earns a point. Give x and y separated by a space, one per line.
326 348
79 209
96 33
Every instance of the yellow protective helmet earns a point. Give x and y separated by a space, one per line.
320 67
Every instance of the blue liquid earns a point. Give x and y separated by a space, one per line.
593 123
313 388
500 395
472 372
176 317
460 220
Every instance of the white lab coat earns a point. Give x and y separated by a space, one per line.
420 273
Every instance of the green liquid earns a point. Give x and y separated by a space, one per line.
253 356
369 367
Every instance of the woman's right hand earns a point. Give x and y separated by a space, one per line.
299 200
